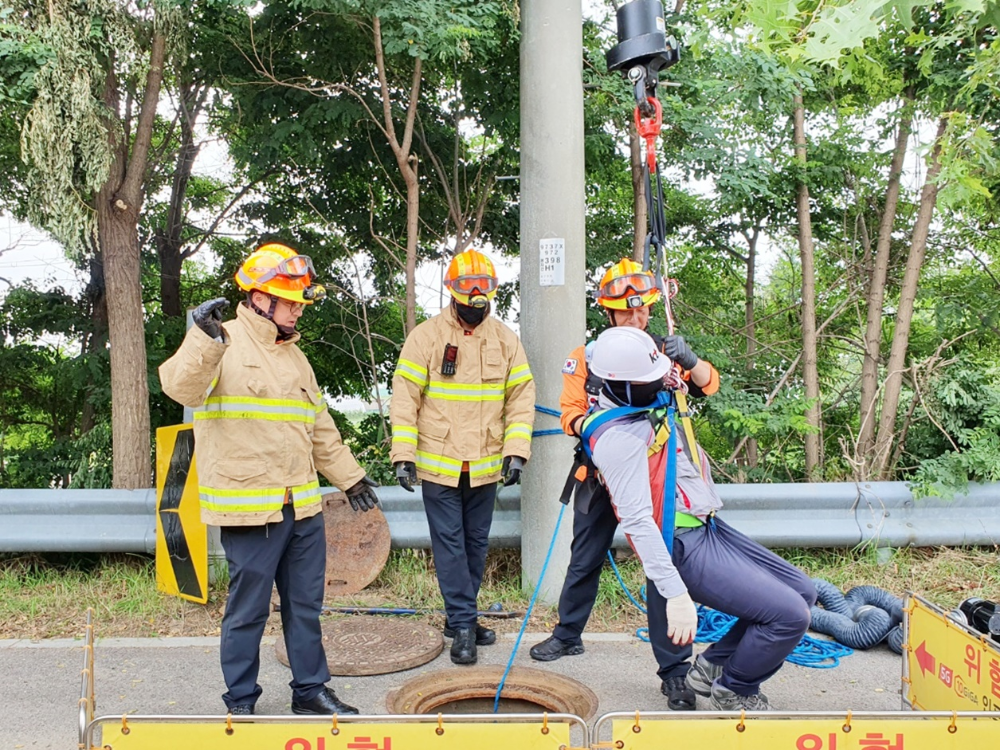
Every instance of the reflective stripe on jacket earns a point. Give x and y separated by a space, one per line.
261 426
483 412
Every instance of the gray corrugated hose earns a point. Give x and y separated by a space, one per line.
863 618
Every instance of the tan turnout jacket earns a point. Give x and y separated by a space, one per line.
479 415
261 426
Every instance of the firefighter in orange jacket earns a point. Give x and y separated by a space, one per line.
627 293
462 410
262 431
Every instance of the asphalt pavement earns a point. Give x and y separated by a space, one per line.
40 681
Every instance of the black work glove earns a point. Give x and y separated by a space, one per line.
511 470
678 350
208 316
406 474
361 496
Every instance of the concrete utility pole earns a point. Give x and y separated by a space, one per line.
553 312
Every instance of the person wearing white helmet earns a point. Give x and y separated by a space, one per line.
627 295
630 440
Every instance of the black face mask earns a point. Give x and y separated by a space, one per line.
471 315
632 394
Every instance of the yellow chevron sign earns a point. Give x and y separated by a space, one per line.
181 537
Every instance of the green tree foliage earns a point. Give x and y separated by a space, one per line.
293 92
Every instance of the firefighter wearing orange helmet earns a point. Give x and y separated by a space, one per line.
462 410
263 431
627 294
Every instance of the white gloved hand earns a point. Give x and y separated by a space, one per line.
682 619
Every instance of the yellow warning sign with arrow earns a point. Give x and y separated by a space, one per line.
948 666
181 537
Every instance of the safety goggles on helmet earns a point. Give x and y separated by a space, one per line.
633 283
294 268
469 284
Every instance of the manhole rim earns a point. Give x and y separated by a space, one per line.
422 694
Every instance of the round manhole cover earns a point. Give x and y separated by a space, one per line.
357 545
360 645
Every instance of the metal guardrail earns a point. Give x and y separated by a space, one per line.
776 515
78 520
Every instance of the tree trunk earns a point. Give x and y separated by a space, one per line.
892 387
876 291
118 204
406 162
409 171
810 374
96 339
640 222
750 324
169 238
130 424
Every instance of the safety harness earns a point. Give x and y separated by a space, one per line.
661 417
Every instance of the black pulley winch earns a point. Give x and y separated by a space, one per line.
644 48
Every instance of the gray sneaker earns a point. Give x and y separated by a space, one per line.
724 699
702 674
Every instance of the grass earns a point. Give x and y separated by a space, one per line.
47 596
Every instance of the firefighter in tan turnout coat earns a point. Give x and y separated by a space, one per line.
262 431
462 412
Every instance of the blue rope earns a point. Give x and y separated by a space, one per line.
547 410
628 593
527 614
552 413
712 625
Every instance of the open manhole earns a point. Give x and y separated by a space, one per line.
472 690
360 645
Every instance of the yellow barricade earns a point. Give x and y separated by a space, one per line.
442 732
181 537
800 731
947 666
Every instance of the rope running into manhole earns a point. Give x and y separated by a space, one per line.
527 614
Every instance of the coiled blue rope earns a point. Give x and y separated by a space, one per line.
712 625
527 614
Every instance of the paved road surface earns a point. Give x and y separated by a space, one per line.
40 681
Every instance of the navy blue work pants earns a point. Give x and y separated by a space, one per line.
292 555
459 519
726 570
593 535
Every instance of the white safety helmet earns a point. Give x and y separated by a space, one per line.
627 354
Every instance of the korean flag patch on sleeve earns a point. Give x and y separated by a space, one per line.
569 367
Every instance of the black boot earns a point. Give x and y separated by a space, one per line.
463 647
484 636
552 648
679 696
326 703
